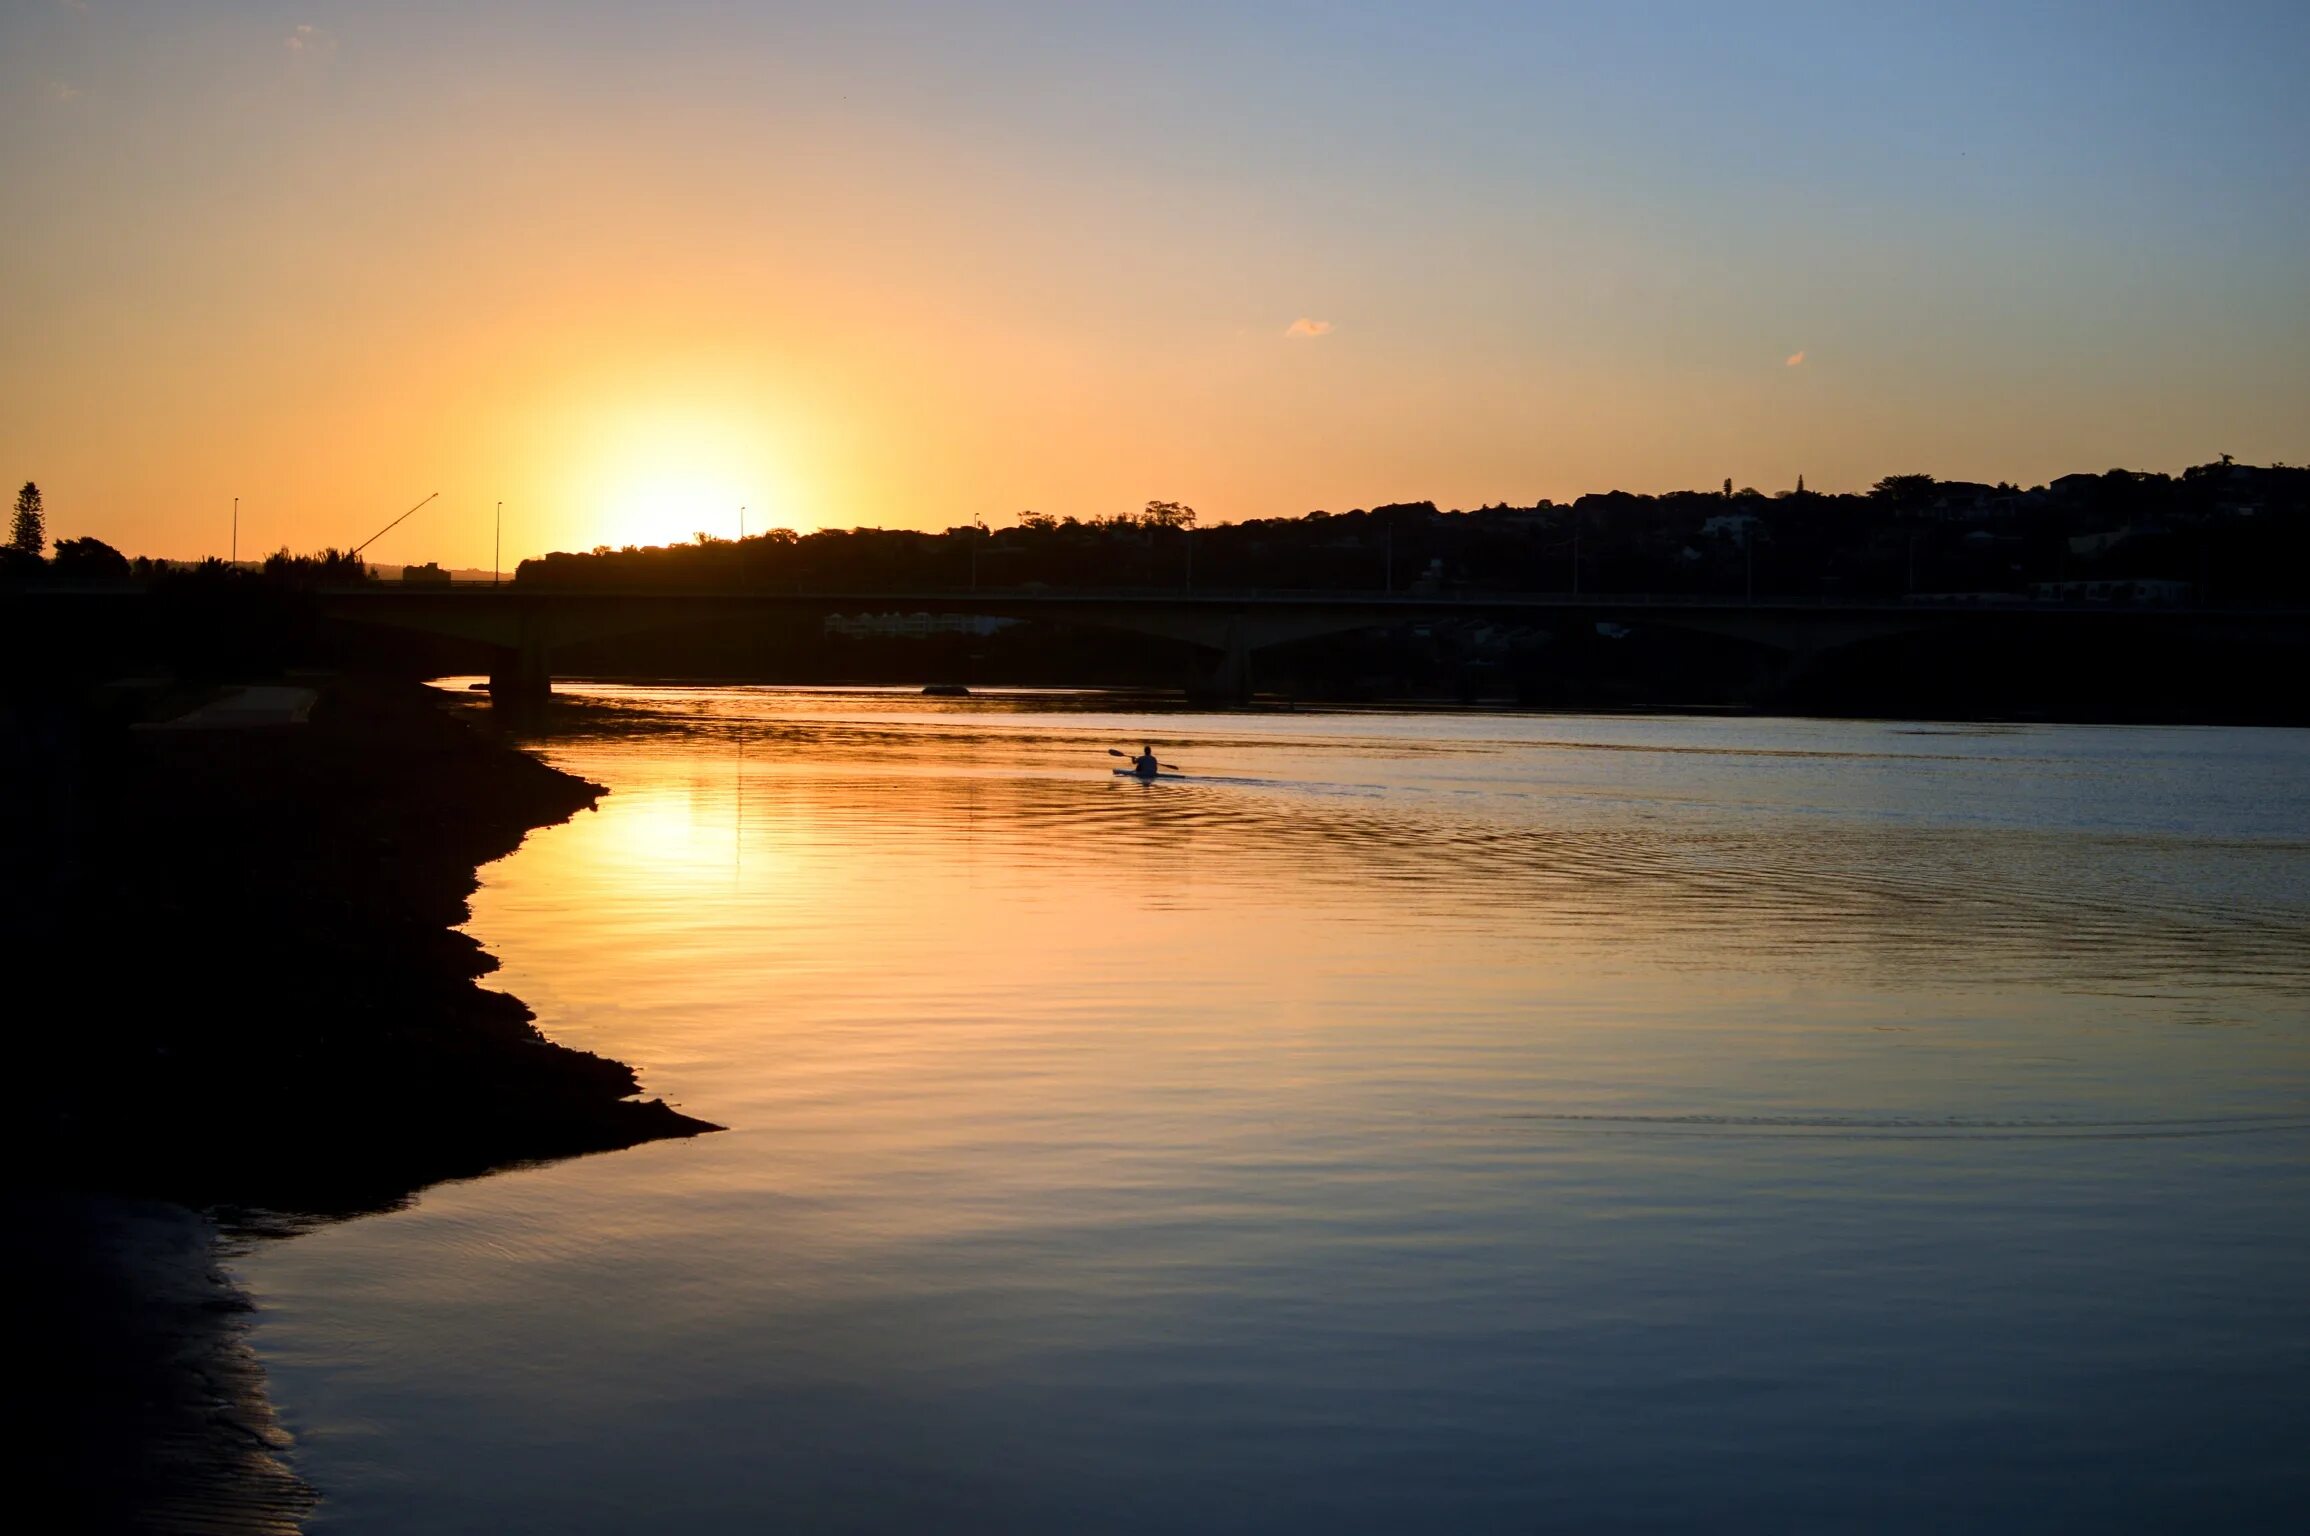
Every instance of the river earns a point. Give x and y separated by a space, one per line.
1443 1121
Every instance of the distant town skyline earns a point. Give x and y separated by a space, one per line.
629 269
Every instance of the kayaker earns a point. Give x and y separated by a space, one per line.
1144 764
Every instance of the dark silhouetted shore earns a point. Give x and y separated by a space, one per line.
235 987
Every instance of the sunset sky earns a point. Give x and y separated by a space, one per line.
628 267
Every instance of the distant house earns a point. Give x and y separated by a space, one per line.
428 574
1543 516
2098 543
1966 501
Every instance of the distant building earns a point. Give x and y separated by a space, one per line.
1967 501
2099 543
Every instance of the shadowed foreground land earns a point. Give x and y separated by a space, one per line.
236 986
253 990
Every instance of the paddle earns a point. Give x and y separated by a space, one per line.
1134 757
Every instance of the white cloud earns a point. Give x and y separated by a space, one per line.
1303 326
310 42
1796 359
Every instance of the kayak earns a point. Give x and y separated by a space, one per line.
1133 773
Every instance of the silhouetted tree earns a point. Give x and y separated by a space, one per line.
331 567
90 560
1168 514
29 533
1902 492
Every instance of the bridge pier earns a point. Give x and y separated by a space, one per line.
1231 682
522 677
1782 675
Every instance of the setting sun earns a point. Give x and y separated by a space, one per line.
663 475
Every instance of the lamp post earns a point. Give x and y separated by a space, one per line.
236 560
497 547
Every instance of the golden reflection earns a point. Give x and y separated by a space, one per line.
1484 1083
901 930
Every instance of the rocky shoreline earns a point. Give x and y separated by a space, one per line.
238 988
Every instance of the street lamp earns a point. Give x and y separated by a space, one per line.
497 548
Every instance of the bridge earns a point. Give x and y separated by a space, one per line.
524 626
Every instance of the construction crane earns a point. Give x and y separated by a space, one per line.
388 528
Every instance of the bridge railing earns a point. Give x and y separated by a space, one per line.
887 599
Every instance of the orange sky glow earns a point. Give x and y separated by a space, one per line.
630 269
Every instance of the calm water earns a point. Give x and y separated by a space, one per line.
1462 1123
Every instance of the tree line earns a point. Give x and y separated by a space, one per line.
2223 531
2220 531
